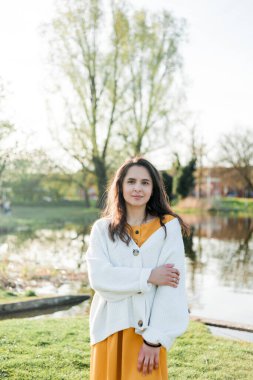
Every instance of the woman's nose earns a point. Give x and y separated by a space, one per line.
137 187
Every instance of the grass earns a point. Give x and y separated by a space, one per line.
233 204
58 349
34 217
10 296
44 349
242 207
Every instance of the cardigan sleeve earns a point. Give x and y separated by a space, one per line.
169 316
114 283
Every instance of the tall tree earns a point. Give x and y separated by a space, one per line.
87 54
186 181
236 150
116 73
153 63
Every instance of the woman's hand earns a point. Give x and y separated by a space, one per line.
165 275
148 359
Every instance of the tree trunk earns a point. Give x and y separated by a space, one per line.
101 175
86 198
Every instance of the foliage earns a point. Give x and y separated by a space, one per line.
152 62
235 205
118 68
186 181
33 177
59 349
78 39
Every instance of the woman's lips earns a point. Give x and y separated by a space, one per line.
137 196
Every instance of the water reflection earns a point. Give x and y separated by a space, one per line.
219 257
48 261
220 266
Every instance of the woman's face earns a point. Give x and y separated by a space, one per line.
137 186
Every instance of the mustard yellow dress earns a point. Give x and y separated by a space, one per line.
115 358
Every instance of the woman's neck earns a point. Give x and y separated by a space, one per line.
136 216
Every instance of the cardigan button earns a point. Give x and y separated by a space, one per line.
136 252
140 323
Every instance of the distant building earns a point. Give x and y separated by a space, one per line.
220 181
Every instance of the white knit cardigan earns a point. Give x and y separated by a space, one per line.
123 298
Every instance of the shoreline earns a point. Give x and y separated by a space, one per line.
40 303
11 309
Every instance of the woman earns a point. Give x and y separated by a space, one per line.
134 260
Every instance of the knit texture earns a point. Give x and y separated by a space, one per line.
123 296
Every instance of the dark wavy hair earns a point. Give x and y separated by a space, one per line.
158 204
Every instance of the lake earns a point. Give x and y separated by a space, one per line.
219 263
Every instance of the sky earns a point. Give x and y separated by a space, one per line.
218 66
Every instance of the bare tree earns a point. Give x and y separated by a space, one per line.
236 150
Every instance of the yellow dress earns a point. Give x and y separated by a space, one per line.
115 358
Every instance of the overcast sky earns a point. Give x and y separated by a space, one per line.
218 63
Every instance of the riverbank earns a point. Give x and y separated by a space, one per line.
30 218
231 205
44 306
59 349
12 308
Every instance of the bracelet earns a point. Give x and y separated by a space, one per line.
151 344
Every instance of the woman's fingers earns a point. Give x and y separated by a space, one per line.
174 271
172 281
145 366
169 265
173 277
140 361
156 362
151 365
172 284
171 269
148 359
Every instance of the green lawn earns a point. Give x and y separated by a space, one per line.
233 204
33 217
58 349
9 296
